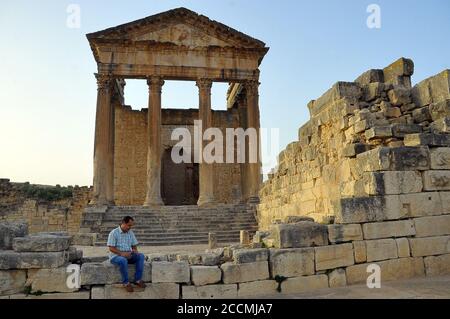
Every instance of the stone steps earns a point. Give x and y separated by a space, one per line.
181 225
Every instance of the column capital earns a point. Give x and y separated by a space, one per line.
155 83
204 83
251 86
104 80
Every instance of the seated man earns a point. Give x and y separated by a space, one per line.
123 251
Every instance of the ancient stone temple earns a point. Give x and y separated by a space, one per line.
132 162
134 171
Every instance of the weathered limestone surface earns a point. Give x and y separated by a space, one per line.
49 280
235 273
394 269
170 272
12 281
42 242
381 249
107 273
27 260
204 275
393 182
360 251
9 231
305 283
304 234
242 256
403 247
440 158
226 291
436 180
152 291
337 278
334 256
437 265
388 229
291 262
432 226
429 246
339 233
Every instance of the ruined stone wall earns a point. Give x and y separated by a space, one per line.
41 216
372 148
130 168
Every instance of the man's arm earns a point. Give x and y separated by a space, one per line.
135 249
114 250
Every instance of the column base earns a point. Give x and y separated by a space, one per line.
206 201
154 202
100 202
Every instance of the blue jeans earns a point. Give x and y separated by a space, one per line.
122 262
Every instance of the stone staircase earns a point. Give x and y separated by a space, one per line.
181 225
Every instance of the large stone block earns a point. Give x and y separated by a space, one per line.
441 125
339 233
403 247
170 272
28 260
393 269
392 182
12 281
367 209
399 96
291 262
334 256
304 234
304 284
257 288
433 89
152 291
429 246
377 159
436 180
234 273
427 139
440 110
399 72
440 158
381 249
210 292
360 251
420 204
388 229
9 231
437 265
101 273
241 256
407 158
371 76
205 275
339 91
337 278
49 280
41 242
432 226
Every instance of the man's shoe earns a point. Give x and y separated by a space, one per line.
129 288
141 284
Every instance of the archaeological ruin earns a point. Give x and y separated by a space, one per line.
366 183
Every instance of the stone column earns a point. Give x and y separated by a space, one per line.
103 192
206 178
153 197
253 170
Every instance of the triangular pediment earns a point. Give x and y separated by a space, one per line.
180 27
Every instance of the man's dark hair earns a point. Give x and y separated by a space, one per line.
126 219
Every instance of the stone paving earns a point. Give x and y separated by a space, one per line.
416 288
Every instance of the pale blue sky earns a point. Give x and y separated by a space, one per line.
48 91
